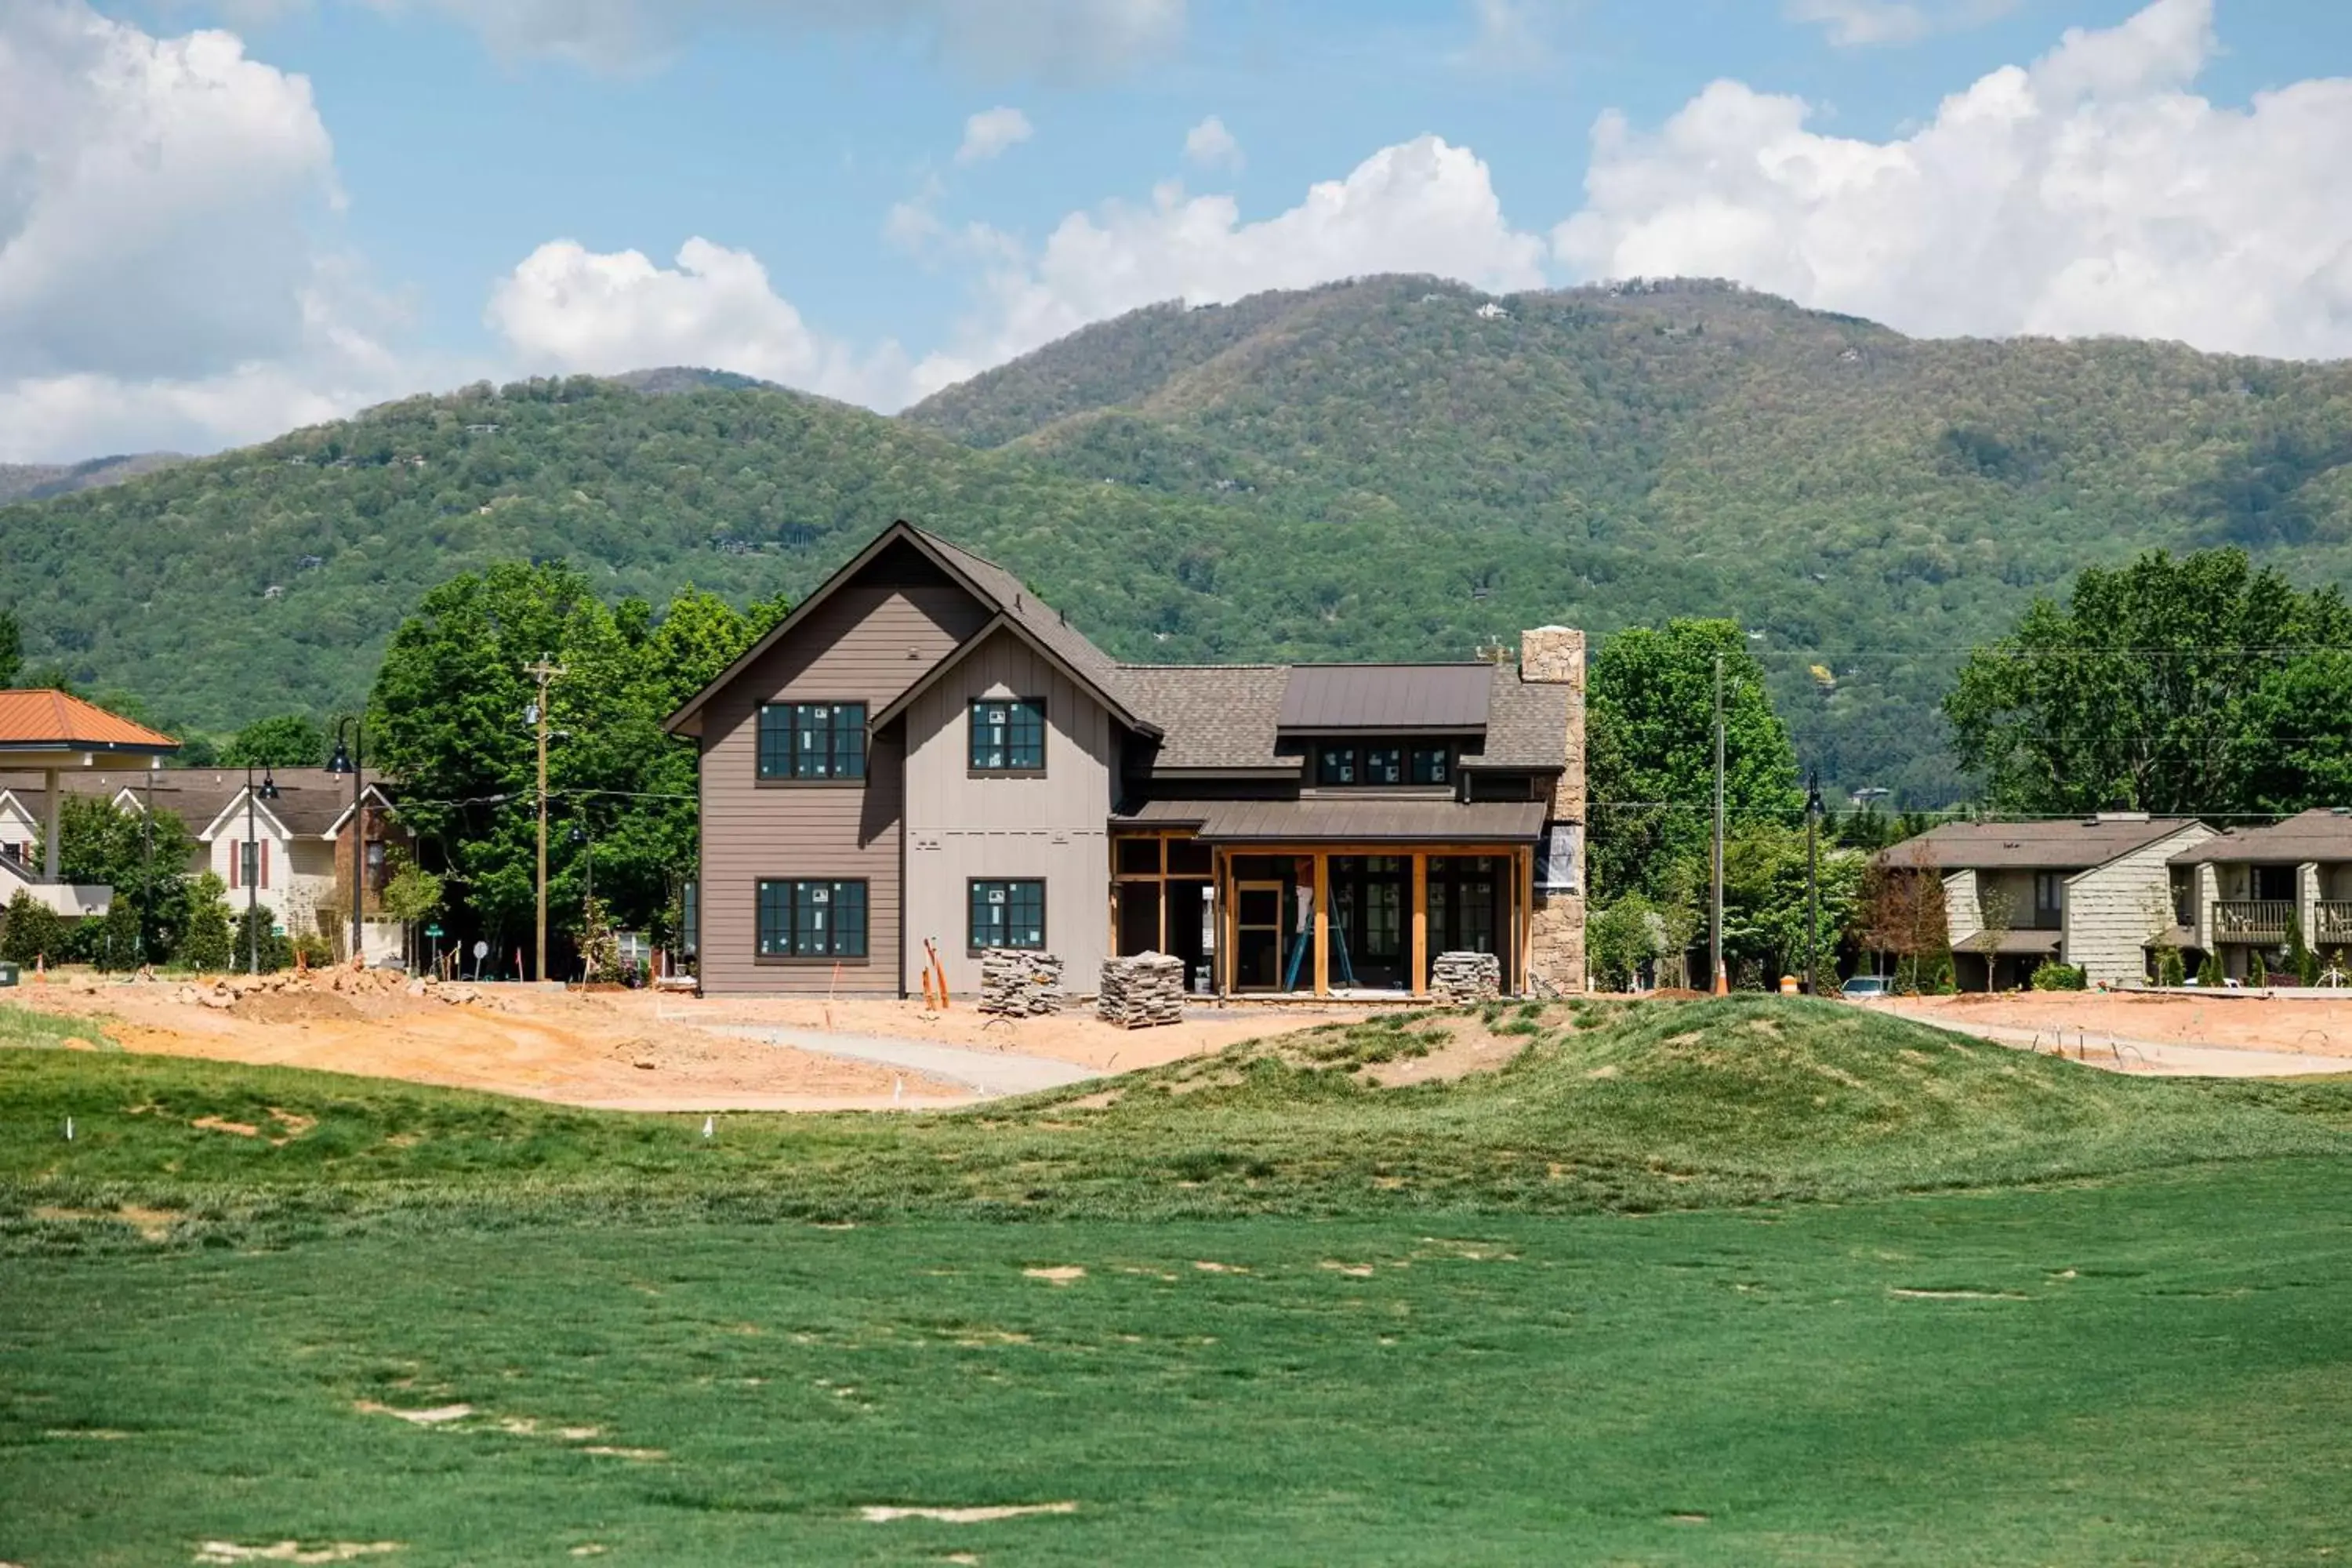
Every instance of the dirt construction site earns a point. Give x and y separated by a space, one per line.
644 1050
630 1050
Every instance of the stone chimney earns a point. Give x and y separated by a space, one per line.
1554 656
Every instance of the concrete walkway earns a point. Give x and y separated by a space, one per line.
989 1074
2126 1054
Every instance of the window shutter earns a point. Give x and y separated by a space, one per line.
264 880
235 863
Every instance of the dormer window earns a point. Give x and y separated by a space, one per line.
1341 764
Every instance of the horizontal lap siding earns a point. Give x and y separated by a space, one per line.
2112 910
868 643
1052 828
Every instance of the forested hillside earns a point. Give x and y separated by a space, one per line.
1866 502
1367 469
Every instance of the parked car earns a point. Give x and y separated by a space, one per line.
1866 986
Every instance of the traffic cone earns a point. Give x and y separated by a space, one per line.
1722 982
40 968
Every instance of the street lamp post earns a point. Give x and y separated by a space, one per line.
353 761
249 865
1812 883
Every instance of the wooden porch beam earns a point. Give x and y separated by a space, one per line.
1420 925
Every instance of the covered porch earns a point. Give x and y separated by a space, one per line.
1270 900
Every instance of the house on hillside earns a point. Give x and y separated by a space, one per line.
53 736
2237 891
303 840
923 753
2096 893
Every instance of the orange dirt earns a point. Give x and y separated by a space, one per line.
630 1050
2299 1025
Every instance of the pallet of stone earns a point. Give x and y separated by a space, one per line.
1141 991
1017 984
1464 979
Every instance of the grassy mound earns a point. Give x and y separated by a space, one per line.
1583 1107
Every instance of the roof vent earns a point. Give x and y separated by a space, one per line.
2098 817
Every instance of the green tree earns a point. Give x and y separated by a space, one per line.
1651 750
2209 974
12 648
282 741
2169 970
2188 685
205 939
33 931
1765 904
144 857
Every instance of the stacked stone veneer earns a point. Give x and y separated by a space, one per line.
1555 655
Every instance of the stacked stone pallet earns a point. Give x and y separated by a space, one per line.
1140 992
1461 979
1019 984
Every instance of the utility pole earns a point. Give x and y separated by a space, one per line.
1812 883
1715 942
544 671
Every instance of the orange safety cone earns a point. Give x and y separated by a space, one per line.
1722 982
40 968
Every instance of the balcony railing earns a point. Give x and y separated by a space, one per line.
2333 922
2252 919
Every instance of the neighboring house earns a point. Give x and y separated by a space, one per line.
2094 893
55 736
302 841
923 755
2238 890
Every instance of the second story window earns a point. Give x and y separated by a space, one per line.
813 741
2049 898
1343 764
1008 735
1433 764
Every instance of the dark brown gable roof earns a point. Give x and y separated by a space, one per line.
2038 846
1218 717
2323 833
997 590
1393 697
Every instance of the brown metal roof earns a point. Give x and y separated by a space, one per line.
1355 819
1322 696
2042 846
2318 835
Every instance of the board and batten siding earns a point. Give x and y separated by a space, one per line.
2112 910
1053 828
868 642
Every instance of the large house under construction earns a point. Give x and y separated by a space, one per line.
924 757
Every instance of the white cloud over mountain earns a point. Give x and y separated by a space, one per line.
2093 192
568 308
163 281
991 132
159 283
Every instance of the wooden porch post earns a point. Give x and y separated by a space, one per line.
1525 861
1221 868
1322 925
1163 896
1420 924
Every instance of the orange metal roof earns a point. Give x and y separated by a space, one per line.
64 722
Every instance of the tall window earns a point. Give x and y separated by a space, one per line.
811 920
1008 735
1008 914
813 741
2049 898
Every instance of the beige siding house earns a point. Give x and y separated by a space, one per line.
2239 889
922 757
2096 893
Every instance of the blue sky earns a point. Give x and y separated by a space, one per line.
375 189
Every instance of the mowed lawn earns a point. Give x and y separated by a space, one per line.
2151 1362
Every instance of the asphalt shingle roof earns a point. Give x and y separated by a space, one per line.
2317 834
2041 846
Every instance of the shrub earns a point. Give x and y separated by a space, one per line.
2169 970
2056 976
205 940
2209 974
33 931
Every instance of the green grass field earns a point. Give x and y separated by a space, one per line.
1731 1282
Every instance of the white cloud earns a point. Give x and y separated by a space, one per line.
1212 146
2092 193
160 283
567 309
991 132
1863 24
1420 207
1051 38
1512 35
